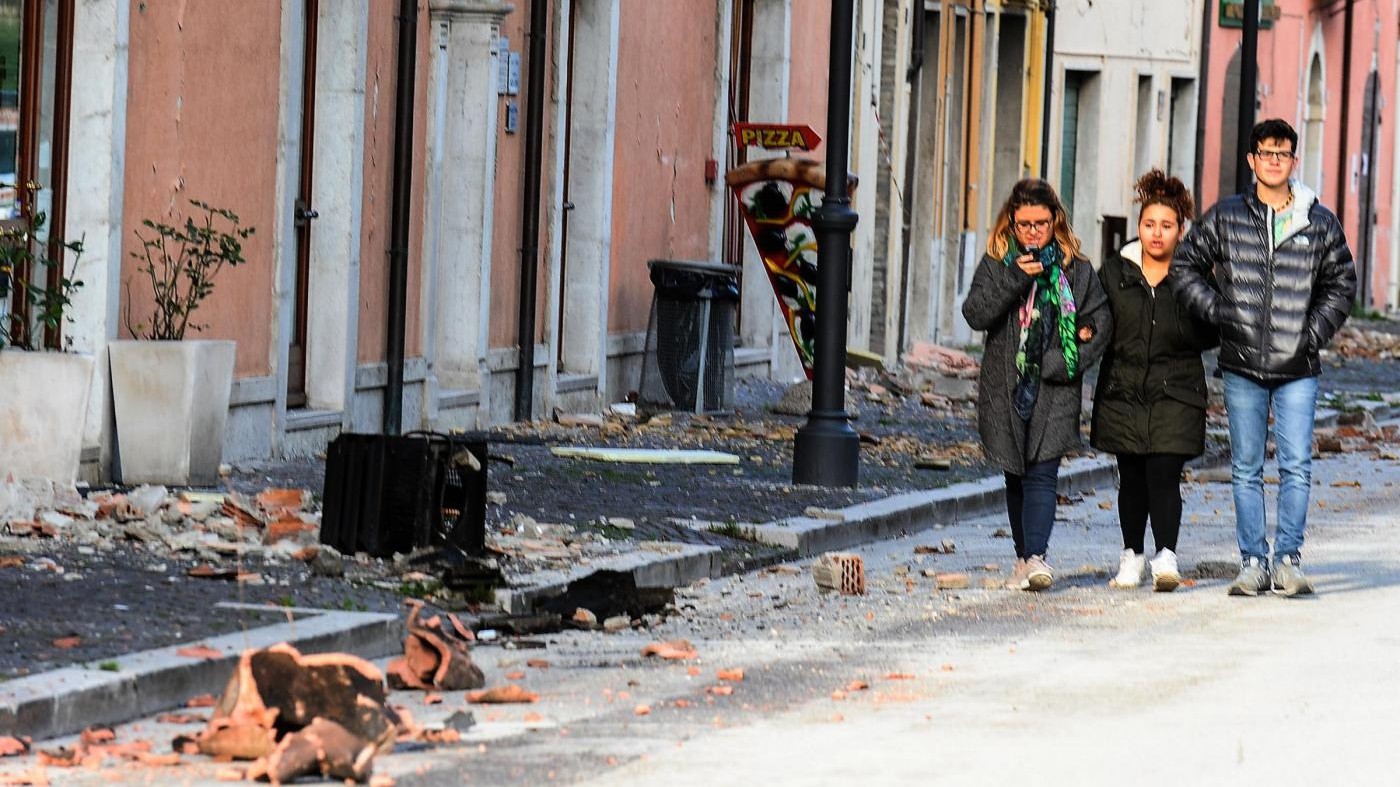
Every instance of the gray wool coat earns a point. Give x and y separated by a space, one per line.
996 294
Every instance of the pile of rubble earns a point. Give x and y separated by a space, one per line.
1356 431
276 523
1354 342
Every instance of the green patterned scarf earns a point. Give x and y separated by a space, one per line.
1049 314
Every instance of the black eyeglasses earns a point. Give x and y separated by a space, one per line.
1038 226
1274 155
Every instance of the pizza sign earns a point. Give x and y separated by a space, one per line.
779 198
776 136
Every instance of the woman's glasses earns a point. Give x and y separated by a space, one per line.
1037 226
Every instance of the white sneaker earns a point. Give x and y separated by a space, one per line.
1132 567
1165 575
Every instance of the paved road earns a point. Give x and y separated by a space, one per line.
1079 686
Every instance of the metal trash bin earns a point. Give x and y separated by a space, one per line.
689 359
386 494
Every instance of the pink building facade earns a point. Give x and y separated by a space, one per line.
1346 143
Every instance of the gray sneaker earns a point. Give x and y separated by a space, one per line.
1289 579
1253 578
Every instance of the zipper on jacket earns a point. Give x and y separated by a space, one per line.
1151 331
1268 285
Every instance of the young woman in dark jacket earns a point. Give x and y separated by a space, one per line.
1047 321
1150 404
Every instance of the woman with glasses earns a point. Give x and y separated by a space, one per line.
1150 404
1047 320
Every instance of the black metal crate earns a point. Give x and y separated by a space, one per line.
386 494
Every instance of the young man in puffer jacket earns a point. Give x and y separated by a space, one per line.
1286 283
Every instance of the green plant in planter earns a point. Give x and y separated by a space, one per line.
181 263
26 258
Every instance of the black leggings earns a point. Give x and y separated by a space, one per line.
1150 485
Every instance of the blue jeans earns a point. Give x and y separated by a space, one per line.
1294 404
1030 507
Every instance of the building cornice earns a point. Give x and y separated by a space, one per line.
470 10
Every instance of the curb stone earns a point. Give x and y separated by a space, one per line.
808 536
677 565
915 511
68 700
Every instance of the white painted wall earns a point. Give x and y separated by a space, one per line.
865 161
1121 42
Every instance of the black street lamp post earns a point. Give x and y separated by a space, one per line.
1249 91
826 451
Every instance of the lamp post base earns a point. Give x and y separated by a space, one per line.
826 451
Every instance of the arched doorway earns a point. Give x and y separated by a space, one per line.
1313 125
1229 127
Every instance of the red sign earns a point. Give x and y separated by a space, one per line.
776 136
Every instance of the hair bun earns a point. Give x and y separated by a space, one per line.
1158 188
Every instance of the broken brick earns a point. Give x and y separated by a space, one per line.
501 695
675 650
951 581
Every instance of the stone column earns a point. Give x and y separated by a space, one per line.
96 166
461 180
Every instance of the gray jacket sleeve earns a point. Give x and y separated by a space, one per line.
996 289
1092 310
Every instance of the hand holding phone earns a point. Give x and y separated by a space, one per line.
1029 263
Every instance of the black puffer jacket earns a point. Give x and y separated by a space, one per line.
1277 303
1151 395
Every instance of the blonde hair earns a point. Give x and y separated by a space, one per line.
1033 191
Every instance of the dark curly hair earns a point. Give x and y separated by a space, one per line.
1159 188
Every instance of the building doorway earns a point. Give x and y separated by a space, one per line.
305 213
36 47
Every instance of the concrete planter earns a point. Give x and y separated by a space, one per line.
171 404
43 408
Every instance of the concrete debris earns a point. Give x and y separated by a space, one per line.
942 360
578 419
796 400
147 500
617 623
843 573
206 526
946 547
1355 342
646 455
